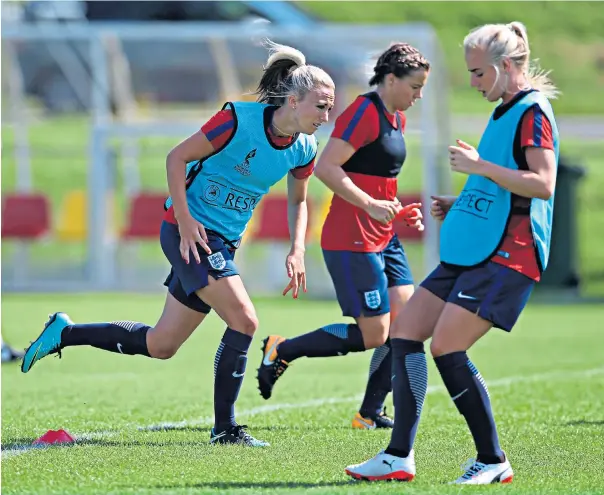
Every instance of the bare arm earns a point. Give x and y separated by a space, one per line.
297 218
191 231
297 211
329 171
193 148
537 182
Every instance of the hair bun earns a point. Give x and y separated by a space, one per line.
282 52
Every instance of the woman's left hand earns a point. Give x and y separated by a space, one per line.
296 271
464 158
412 215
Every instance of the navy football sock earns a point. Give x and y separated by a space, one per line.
124 337
331 340
469 392
409 386
379 383
229 368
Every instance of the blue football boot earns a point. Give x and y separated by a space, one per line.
49 341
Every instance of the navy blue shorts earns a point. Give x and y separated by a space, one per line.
492 291
362 280
184 280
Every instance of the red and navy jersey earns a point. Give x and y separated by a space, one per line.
219 129
517 250
380 151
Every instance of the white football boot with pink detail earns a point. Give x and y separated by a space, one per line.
384 467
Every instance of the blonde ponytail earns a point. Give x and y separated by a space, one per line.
537 77
286 73
282 52
511 41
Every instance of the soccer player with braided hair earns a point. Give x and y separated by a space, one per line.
236 157
364 257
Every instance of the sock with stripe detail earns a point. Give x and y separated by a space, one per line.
123 337
379 382
409 386
469 392
337 339
229 369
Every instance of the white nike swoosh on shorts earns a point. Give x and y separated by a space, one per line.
461 295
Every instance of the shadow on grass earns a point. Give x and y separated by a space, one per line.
227 485
252 429
27 442
585 422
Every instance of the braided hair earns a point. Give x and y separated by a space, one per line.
401 59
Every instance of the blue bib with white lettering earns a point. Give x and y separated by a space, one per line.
224 188
476 224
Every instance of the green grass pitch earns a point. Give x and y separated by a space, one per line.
546 380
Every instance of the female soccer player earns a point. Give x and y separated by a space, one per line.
240 153
9 353
364 257
495 242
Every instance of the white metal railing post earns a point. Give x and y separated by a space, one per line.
101 244
430 164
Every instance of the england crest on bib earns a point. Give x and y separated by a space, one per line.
217 261
373 299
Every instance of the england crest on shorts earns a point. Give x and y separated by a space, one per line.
217 261
373 299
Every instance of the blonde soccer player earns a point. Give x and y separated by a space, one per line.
494 246
238 156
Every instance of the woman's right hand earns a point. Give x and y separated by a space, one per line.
440 206
192 233
384 211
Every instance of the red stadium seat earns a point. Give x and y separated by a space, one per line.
25 216
271 222
145 216
400 227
